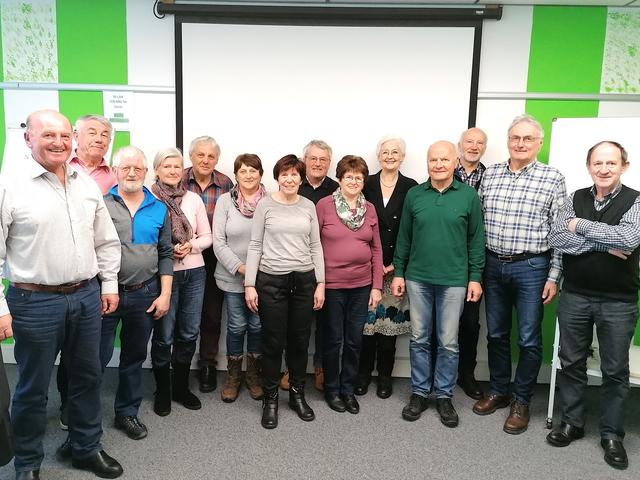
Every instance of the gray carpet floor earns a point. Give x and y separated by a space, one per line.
226 441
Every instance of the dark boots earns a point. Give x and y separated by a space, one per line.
270 408
254 376
162 399
180 386
298 403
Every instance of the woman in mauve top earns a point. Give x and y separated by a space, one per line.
284 283
179 328
353 274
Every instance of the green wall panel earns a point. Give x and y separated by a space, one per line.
92 41
74 104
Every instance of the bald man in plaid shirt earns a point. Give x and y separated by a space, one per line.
520 198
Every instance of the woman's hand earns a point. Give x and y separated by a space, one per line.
388 269
374 298
251 297
242 270
181 250
318 297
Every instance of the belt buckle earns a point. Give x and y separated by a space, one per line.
505 258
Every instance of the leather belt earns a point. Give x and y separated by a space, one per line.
516 257
135 286
65 288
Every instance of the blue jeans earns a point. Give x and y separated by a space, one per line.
240 320
137 325
343 317
181 325
615 323
448 303
43 325
507 285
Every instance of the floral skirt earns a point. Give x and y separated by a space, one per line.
391 316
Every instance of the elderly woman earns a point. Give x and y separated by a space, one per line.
284 282
353 260
386 191
190 234
232 222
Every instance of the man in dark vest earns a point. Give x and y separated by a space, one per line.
598 233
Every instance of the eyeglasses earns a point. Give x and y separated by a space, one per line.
137 170
528 140
317 159
390 153
351 179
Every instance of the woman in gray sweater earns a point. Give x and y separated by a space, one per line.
284 281
232 220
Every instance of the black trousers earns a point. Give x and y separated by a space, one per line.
285 305
380 348
468 334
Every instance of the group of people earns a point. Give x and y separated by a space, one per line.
368 257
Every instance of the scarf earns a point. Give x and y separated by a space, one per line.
353 220
181 230
244 206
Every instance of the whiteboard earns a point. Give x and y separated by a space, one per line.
571 139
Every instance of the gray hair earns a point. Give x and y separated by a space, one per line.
203 139
165 153
321 144
526 118
389 138
97 118
128 151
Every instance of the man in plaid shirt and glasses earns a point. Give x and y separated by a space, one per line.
521 199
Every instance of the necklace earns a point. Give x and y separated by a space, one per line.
389 186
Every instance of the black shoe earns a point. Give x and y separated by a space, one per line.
28 475
351 404
132 426
208 379
615 454
298 403
180 387
270 409
64 417
564 435
417 404
335 402
162 397
64 451
384 389
448 414
101 464
362 384
470 386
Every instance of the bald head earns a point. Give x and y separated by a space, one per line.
441 161
48 135
471 147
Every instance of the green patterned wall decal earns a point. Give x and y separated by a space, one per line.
621 64
2 122
92 41
29 40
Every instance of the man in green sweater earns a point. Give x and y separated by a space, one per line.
438 262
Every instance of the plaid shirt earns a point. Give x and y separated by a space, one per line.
596 236
520 208
218 185
472 179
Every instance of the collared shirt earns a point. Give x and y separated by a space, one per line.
596 236
218 185
520 208
54 234
103 174
441 236
326 188
472 179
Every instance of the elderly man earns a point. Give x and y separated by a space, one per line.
92 134
52 213
438 262
471 148
202 178
521 199
598 233
316 186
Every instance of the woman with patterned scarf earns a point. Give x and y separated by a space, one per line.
179 328
232 221
353 273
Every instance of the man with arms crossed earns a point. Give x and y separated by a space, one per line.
60 251
598 233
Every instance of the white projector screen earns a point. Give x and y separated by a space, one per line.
269 89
